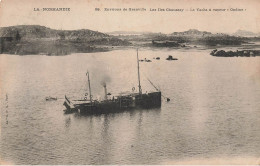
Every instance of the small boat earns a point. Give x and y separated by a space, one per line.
170 58
158 58
147 60
49 98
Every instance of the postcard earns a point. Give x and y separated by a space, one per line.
120 82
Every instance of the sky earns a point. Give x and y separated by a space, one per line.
82 15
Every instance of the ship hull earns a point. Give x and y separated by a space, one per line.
123 103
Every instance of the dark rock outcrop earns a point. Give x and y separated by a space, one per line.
243 53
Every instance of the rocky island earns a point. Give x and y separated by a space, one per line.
242 53
35 39
190 37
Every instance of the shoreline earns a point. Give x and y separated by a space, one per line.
62 48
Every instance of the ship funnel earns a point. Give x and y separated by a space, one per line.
105 89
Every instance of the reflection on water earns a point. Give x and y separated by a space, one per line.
6 109
67 122
213 112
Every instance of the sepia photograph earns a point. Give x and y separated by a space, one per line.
130 82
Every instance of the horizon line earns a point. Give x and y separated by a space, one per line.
130 31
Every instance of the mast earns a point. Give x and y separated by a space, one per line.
139 84
90 96
105 89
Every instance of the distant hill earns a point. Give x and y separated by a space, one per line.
35 39
126 33
196 37
192 32
244 33
181 39
36 32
